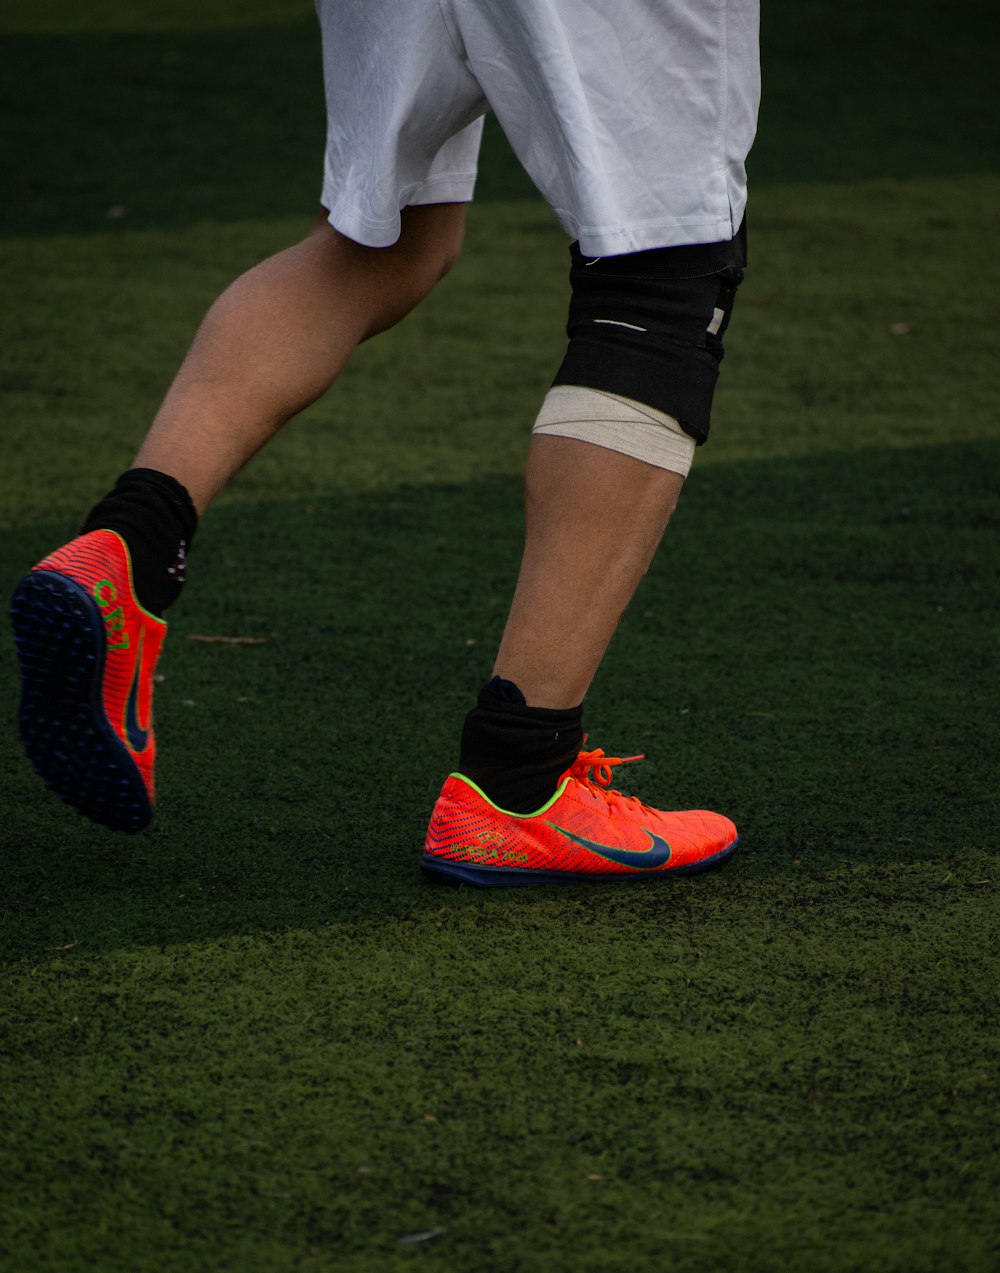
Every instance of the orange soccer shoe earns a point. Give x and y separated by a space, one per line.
586 832
88 650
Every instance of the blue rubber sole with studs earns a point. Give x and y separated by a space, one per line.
60 642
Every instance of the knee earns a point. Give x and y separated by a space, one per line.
429 245
398 277
648 326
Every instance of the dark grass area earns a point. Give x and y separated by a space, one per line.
855 91
267 1037
758 1097
823 676
254 1038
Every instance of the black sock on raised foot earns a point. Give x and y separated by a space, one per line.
153 513
516 754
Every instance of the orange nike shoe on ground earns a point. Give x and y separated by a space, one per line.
587 831
88 650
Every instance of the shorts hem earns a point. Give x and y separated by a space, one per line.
448 188
618 240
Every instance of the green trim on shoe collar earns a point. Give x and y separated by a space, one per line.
508 812
156 618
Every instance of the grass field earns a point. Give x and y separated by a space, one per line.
253 1038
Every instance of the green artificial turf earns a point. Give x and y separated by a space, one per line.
253 1038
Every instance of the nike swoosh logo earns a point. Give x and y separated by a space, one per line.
658 853
137 736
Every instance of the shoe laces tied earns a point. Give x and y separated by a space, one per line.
592 769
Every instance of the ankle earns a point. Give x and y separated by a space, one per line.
153 514
517 753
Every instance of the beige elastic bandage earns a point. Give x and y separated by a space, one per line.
619 424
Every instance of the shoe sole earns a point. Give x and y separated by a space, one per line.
60 641
440 870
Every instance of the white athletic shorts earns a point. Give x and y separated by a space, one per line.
632 117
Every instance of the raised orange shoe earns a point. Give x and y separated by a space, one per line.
88 650
587 831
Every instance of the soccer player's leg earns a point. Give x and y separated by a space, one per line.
612 445
278 337
395 184
88 620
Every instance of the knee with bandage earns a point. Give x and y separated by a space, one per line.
645 343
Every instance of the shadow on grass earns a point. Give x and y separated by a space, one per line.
811 653
177 127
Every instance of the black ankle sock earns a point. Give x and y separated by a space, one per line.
153 513
515 753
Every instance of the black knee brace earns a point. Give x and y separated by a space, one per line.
649 325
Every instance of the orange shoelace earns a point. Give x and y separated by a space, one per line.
593 770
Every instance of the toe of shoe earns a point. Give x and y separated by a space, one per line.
705 835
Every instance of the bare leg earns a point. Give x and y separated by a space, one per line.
594 518
281 334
